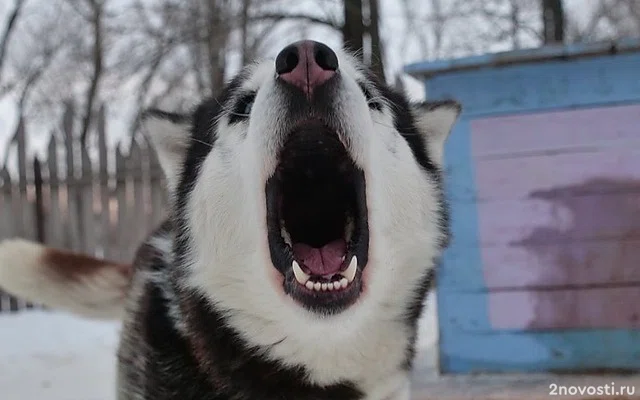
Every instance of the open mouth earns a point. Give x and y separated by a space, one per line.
317 220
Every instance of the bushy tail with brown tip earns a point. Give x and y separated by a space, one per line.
63 280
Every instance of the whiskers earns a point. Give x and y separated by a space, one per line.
202 142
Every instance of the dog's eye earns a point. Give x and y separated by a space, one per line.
373 103
242 108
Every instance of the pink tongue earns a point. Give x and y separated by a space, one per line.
323 261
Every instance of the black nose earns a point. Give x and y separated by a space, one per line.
306 52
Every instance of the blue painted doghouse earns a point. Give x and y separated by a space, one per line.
543 175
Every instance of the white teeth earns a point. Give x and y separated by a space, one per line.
301 277
350 272
348 275
318 286
344 283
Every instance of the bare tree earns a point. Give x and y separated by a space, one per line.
553 21
95 19
8 31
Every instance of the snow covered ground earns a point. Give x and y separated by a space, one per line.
55 356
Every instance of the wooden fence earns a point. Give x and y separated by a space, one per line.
86 198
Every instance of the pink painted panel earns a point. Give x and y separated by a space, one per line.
560 218
559 208
573 129
601 308
589 263
563 173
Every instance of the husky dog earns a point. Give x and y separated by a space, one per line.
306 218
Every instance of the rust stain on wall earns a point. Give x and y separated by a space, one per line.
576 257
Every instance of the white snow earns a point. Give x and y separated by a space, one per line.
55 356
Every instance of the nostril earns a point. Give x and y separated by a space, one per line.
287 60
325 57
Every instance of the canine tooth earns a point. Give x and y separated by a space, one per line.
301 277
350 272
324 287
330 286
344 282
317 286
309 285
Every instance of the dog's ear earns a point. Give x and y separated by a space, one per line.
435 121
169 135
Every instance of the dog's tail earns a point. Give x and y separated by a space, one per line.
63 280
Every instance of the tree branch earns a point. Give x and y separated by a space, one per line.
11 24
97 69
276 17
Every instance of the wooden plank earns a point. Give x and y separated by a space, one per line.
103 176
599 128
597 308
588 82
7 219
560 218
427 384
120 243
158 200
585 263
472 344
55 226
26 219
72 190
137 218
158 195
39 211
573 351
609 170
87 220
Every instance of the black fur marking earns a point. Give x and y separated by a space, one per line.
171 371
414 312
373 104
432 105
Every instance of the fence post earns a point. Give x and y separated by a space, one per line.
39 204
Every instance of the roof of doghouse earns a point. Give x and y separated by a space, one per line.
427 69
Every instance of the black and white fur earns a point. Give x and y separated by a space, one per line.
206 317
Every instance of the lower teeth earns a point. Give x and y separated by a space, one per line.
323 287
347 276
